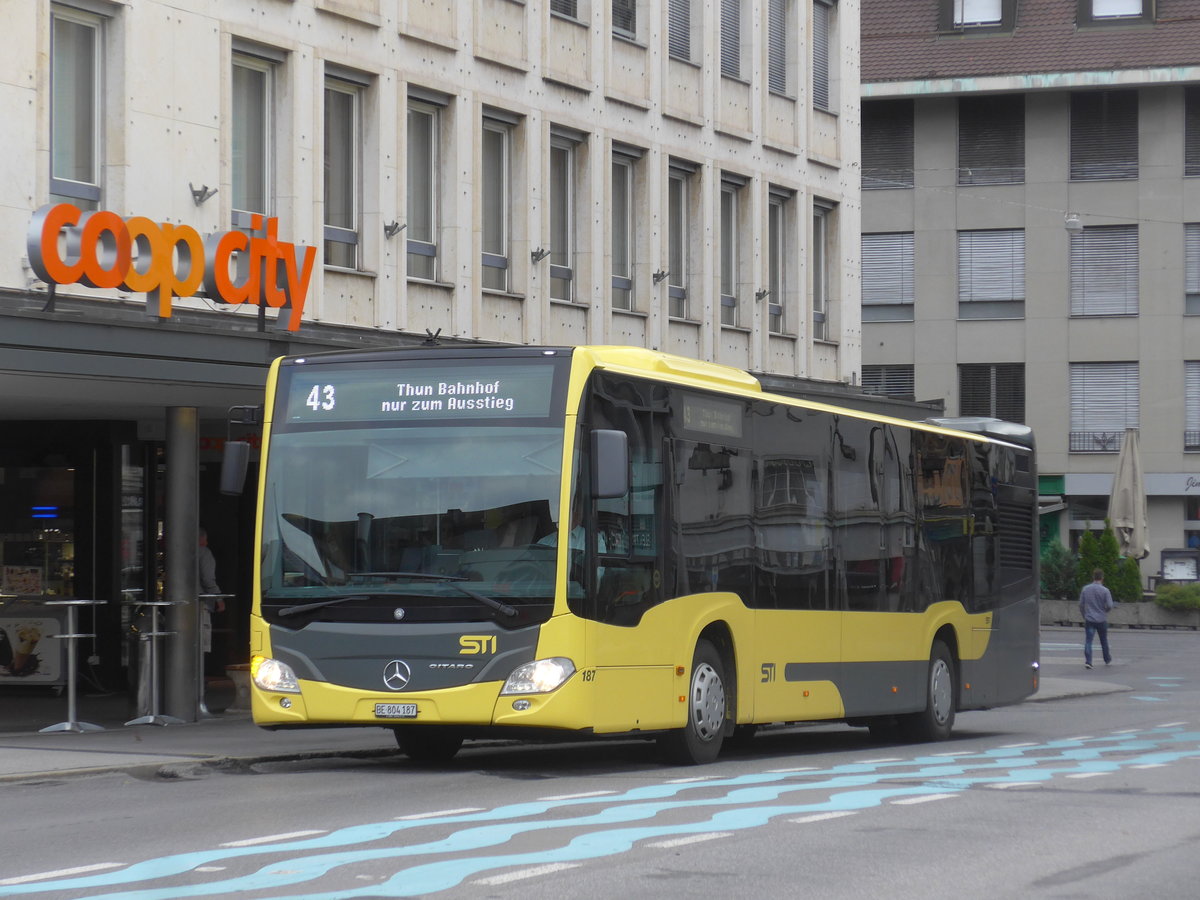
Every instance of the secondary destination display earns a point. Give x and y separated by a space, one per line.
405 393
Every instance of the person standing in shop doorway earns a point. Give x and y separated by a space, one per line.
1095 600
206 570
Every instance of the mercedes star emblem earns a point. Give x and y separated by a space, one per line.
396 675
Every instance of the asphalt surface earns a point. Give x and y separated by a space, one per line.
231 739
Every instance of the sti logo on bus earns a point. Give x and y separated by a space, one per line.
165 260
477 644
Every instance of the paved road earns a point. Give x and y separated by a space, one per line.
1094 796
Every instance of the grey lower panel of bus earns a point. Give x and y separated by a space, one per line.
432 656
1003 675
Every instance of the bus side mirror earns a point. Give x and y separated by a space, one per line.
610 464
234 464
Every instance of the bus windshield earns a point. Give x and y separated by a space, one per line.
449 522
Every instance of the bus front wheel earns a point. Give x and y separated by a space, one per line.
428 743
937 719
699 741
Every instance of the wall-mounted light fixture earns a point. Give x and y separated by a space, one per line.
393 228
660 275
1072 222
202 193
539 254
761 293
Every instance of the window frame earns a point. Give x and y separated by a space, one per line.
998 377
729 261
1103 140
625 19
779 47
563 248
888 261
886 380
1108 405
681 25
822 250
680 183
86 194
822 46
1097 256
267 67
987 260
991 129
340 236
1191 406
779 227
888 155
623 231
951 21
731 22
421 247
1086 13
1191 268
496 249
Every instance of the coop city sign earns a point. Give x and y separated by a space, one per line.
163 260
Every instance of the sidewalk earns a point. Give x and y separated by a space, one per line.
229 738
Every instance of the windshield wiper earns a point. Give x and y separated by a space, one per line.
430 576
503 608
333 601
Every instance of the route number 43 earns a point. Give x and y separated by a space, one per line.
320 397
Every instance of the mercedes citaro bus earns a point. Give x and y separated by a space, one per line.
469 542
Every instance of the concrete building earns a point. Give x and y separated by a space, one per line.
194 188
1031 233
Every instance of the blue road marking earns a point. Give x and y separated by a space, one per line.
749 801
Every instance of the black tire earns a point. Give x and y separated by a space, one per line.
700 740
885 729
936 721
428 744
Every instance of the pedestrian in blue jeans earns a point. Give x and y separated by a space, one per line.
1095 600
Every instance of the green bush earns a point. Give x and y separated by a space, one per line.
1178 596
1058 572
1100 550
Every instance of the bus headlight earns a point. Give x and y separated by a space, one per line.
540 676
273 675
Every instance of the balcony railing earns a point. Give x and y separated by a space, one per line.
1095 441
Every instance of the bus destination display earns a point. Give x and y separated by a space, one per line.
419 393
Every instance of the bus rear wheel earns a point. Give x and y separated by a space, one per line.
699 741
428 743
935 722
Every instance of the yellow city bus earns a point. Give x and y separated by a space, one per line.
471 542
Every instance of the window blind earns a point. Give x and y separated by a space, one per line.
991 265
679 29
1104 135
887 268
820 54
887 144
731 38
992 389
891 381
777 55
1104 402
1104 271
991 140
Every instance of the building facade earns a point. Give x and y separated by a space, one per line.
1031 233
193 189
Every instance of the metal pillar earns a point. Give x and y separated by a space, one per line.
182 664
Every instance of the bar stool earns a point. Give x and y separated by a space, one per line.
72 635
154 717
201 708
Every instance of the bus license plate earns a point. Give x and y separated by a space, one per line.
395 710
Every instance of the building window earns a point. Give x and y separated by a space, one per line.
624 16
821 252
976 15
496 188
891 381
568 8
991 139
1104 402
252 132
1191 269
731 38
343 175
888 287
1191 403
1104 271
76 83
562 215
778 243
994 390
679 229
1118 11
822 49
422 172
991 274
1104 135
730 250
887 144
679 29
1191 130
623 230
779 14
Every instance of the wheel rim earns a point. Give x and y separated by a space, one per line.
941 691
708 702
